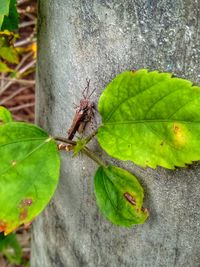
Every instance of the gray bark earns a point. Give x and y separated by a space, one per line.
99 39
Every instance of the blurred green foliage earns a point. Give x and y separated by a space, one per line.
10 248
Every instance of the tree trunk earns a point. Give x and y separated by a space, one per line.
98 39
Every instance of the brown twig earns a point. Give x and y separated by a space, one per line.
22 81
13 95
27 24
28 66
22 106
24 42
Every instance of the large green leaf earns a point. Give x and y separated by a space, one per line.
151 119
29 172
119 196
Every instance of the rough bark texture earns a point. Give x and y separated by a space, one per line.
99 39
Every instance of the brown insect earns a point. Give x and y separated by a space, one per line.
84 113
130 198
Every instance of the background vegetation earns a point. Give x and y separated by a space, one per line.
17 93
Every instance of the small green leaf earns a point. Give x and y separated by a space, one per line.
5 115
4 10
10 248
4 7
80 144
119 196
151 119
4 68
29 172
11 19
9 54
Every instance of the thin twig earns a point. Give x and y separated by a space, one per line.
22 81
25 97
23 60
85 150
13 95
65 140
2 81
28 66
5 86
20 2
10 81
27 24
30 16
88 138
93 156
22 106
24 42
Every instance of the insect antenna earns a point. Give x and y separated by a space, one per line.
92 92
86 90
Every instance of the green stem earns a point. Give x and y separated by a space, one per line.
93 156
85 149
88 138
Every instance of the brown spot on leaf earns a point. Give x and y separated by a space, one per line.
23 214
162 143
176 129
26 202
130 198
2 226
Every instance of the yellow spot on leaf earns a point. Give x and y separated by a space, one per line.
14 162
179 135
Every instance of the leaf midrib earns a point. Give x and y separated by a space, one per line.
131 97
29 154
147 121
25 140
112 204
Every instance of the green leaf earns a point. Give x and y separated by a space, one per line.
4 7
4 68
5 115
8 38
80 144
10 248
4 10
29 172
151 119
9 54
119 196
11 19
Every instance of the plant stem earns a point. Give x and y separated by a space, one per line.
85 149
65 140
88 138
93 156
